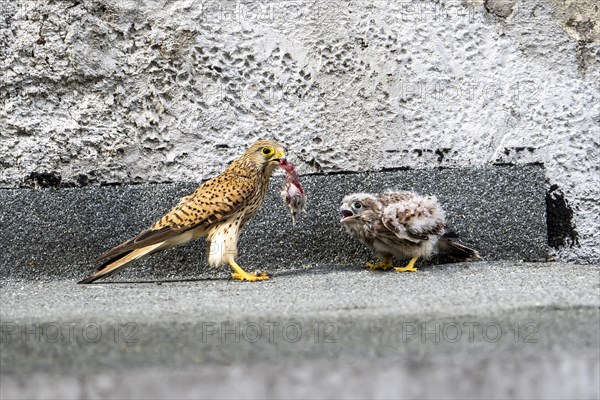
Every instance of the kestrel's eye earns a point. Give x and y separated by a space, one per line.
357 205
267 151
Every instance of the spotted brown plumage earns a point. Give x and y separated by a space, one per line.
217 211
401 225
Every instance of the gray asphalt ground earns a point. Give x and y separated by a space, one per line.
470 330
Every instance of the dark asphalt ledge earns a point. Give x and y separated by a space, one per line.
57 233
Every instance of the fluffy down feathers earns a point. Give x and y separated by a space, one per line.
401 225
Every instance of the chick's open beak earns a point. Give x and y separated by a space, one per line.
347 214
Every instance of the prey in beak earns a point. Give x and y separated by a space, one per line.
292 192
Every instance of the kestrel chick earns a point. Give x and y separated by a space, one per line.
217 211
401 225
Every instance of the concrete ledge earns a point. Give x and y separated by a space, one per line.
58 232
515 378
527 330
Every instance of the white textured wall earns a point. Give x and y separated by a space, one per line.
124 91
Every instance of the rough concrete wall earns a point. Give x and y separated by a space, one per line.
105 91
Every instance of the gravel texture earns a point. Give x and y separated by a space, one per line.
500 211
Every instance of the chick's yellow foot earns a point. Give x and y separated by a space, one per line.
241 275
384 265
410 267
249 277
405 269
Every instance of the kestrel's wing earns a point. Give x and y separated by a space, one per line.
414 217
216 200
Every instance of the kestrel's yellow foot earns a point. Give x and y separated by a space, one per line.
241 275
384 265
249 277
410 267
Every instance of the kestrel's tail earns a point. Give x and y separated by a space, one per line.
447 246
121 262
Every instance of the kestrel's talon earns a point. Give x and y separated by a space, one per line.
405 269
374 267
249 277
384 265
410 267
241 275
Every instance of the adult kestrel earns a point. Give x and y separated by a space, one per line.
401 225
217 211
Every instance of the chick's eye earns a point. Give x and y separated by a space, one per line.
357 205
267 150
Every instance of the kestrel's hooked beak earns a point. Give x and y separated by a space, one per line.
347 214
280 156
